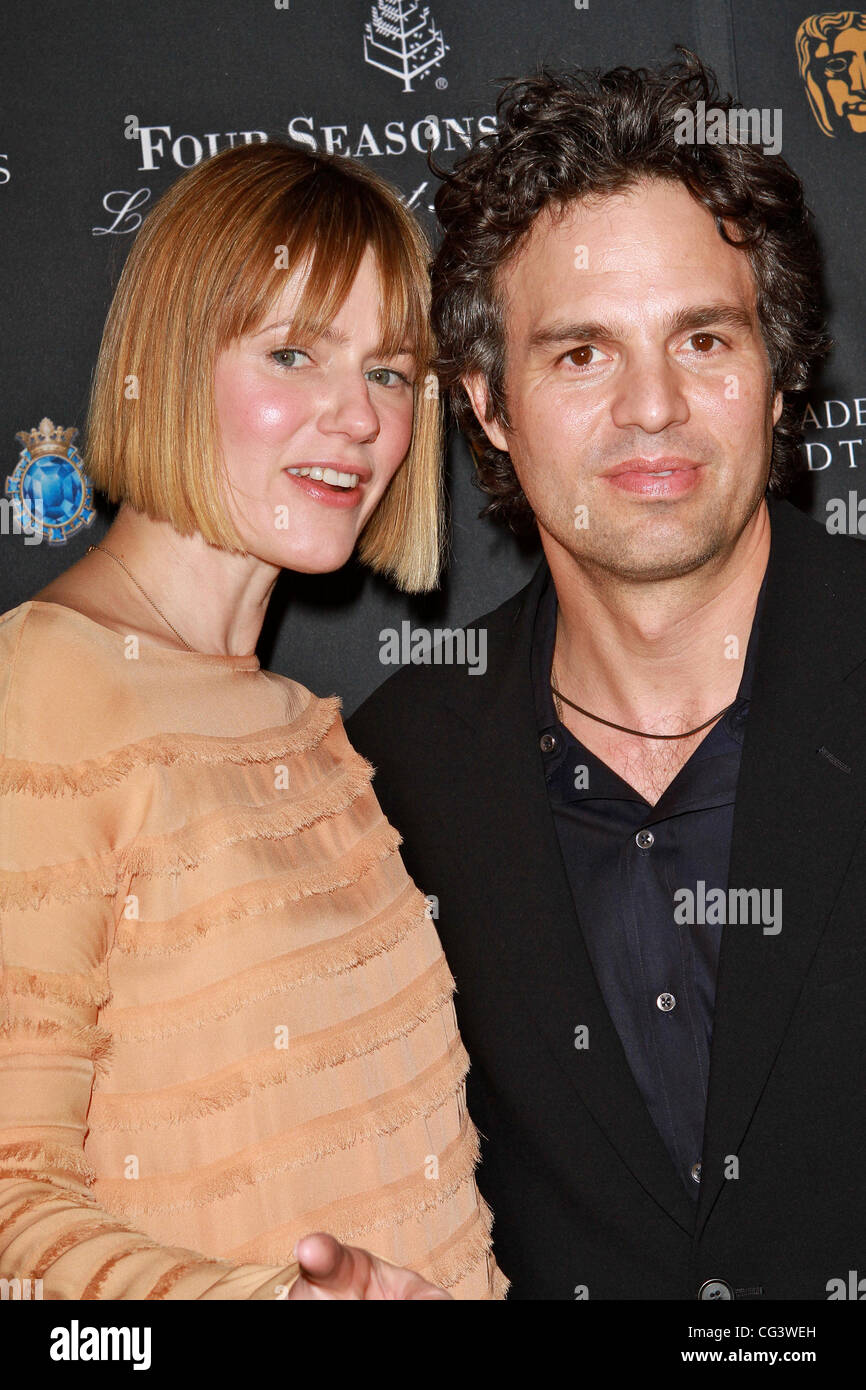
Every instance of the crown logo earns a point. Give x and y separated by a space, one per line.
47 438
51 494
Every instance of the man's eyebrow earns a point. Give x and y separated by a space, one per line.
694 317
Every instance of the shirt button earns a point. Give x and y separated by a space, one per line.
644 838
715 1288
547 743
666 1002
695 1171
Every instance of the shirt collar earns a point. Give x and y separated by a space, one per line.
544 638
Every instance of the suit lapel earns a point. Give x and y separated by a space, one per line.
535 933
797 818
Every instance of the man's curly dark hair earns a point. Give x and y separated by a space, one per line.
565 135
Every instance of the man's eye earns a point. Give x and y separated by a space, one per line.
703 342
581 356
280 356
378 374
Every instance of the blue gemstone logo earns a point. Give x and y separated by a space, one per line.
51 494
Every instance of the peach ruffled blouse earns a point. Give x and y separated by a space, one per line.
225 1015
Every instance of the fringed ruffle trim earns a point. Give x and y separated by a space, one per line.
49 1038
169 1281
44 1192
77 1235
91 990
356 1219
470 1245
456 1168
44 1162
309 1143
274 976
101 875
136 938
461 1255
171 750
309 1053
93 1289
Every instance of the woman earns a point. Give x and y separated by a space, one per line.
227 1020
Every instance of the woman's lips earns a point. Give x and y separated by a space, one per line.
340 497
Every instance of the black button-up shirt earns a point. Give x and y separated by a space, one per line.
625 860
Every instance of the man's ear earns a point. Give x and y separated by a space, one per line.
778 403
475 387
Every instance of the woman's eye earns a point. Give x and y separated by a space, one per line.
378 374
281 356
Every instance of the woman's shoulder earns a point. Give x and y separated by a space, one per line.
314 718
72 689
43 639
63 680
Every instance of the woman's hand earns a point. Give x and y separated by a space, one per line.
331 1270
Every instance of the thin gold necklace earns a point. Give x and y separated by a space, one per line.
638 733
105 549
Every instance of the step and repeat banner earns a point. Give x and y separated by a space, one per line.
105 104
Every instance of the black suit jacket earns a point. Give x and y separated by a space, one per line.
585 1198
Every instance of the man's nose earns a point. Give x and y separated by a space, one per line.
650 394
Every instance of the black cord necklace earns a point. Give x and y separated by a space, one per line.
638 733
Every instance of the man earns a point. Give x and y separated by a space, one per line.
645 826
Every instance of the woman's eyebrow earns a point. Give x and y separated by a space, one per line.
329 334
405 351
334 335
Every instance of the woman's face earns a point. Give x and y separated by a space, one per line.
334 405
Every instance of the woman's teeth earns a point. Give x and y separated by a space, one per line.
326 475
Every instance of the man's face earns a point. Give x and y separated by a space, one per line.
632 344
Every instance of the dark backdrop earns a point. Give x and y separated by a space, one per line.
196 75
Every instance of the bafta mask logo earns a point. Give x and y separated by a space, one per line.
831 51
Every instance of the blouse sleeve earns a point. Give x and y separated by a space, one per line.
54 942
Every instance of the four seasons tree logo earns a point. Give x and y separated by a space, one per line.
402 39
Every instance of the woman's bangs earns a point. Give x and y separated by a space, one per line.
329 234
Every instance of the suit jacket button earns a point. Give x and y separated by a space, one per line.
715 1289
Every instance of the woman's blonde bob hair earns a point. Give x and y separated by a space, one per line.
207 265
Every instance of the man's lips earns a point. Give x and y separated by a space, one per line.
659 478
665 464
